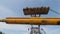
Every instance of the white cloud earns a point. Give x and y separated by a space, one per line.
13 27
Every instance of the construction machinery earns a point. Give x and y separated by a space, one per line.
34 19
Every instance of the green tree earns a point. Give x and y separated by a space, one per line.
2 33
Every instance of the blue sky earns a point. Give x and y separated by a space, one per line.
14 8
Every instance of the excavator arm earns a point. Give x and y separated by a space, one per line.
32 20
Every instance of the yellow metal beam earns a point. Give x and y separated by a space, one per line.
32 20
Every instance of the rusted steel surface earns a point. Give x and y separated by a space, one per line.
40 10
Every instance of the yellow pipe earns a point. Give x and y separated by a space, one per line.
35 21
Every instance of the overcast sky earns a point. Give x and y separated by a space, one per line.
14 8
